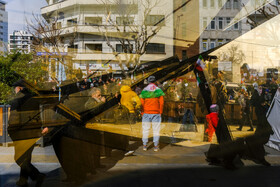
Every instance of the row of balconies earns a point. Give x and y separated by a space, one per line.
59 5
100 20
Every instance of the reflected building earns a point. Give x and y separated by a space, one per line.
186 28
92 30
216 29
3 27
20 40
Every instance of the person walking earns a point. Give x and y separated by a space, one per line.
24 137
263 131
244 102
152 106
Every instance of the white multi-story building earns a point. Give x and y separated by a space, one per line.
20 40
216 28
3 27
82 28
215 17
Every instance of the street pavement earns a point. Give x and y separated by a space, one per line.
181 164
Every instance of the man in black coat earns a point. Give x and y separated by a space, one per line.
256 142
24 131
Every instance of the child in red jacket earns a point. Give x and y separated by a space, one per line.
212 120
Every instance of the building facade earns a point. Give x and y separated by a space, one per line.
20 40
3 27
84 24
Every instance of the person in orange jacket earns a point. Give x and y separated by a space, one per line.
152 106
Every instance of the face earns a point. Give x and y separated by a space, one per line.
17 89
97 95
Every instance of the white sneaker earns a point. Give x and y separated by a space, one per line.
129 153
156 148
145 148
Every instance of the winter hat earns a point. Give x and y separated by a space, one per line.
152 79
214 108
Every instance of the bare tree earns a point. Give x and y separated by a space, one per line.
133 30
48 42
265 12
233 54
264 15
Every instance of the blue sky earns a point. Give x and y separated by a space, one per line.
20 10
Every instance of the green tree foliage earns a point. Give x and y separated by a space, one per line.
15 66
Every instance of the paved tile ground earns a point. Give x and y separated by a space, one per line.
182 164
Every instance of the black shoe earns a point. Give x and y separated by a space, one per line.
68 179
39 180
214 162
22 182
239 129
262 162
251 130
101 166
265 163
229 165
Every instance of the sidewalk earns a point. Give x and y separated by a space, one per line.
180 164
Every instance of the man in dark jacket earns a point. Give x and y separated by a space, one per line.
263 130
24 138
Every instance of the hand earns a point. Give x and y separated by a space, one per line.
45 131
103 99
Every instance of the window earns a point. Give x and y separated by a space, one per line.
227 22
212 3
228 4
212 44
220 41
221 23
154 48
155 19
124 20
220 3
93 21
236 26
204 45
73 48
58 25
184 30
204 3
93 48
204 23
184 54
72 22
235 4
122 48
213 24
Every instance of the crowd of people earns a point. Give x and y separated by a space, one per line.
157 102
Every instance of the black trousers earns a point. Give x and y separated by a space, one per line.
23 157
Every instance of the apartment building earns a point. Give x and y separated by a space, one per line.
186 28
3 27
215 17
20 40
84 23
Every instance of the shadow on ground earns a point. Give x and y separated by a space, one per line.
202 176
